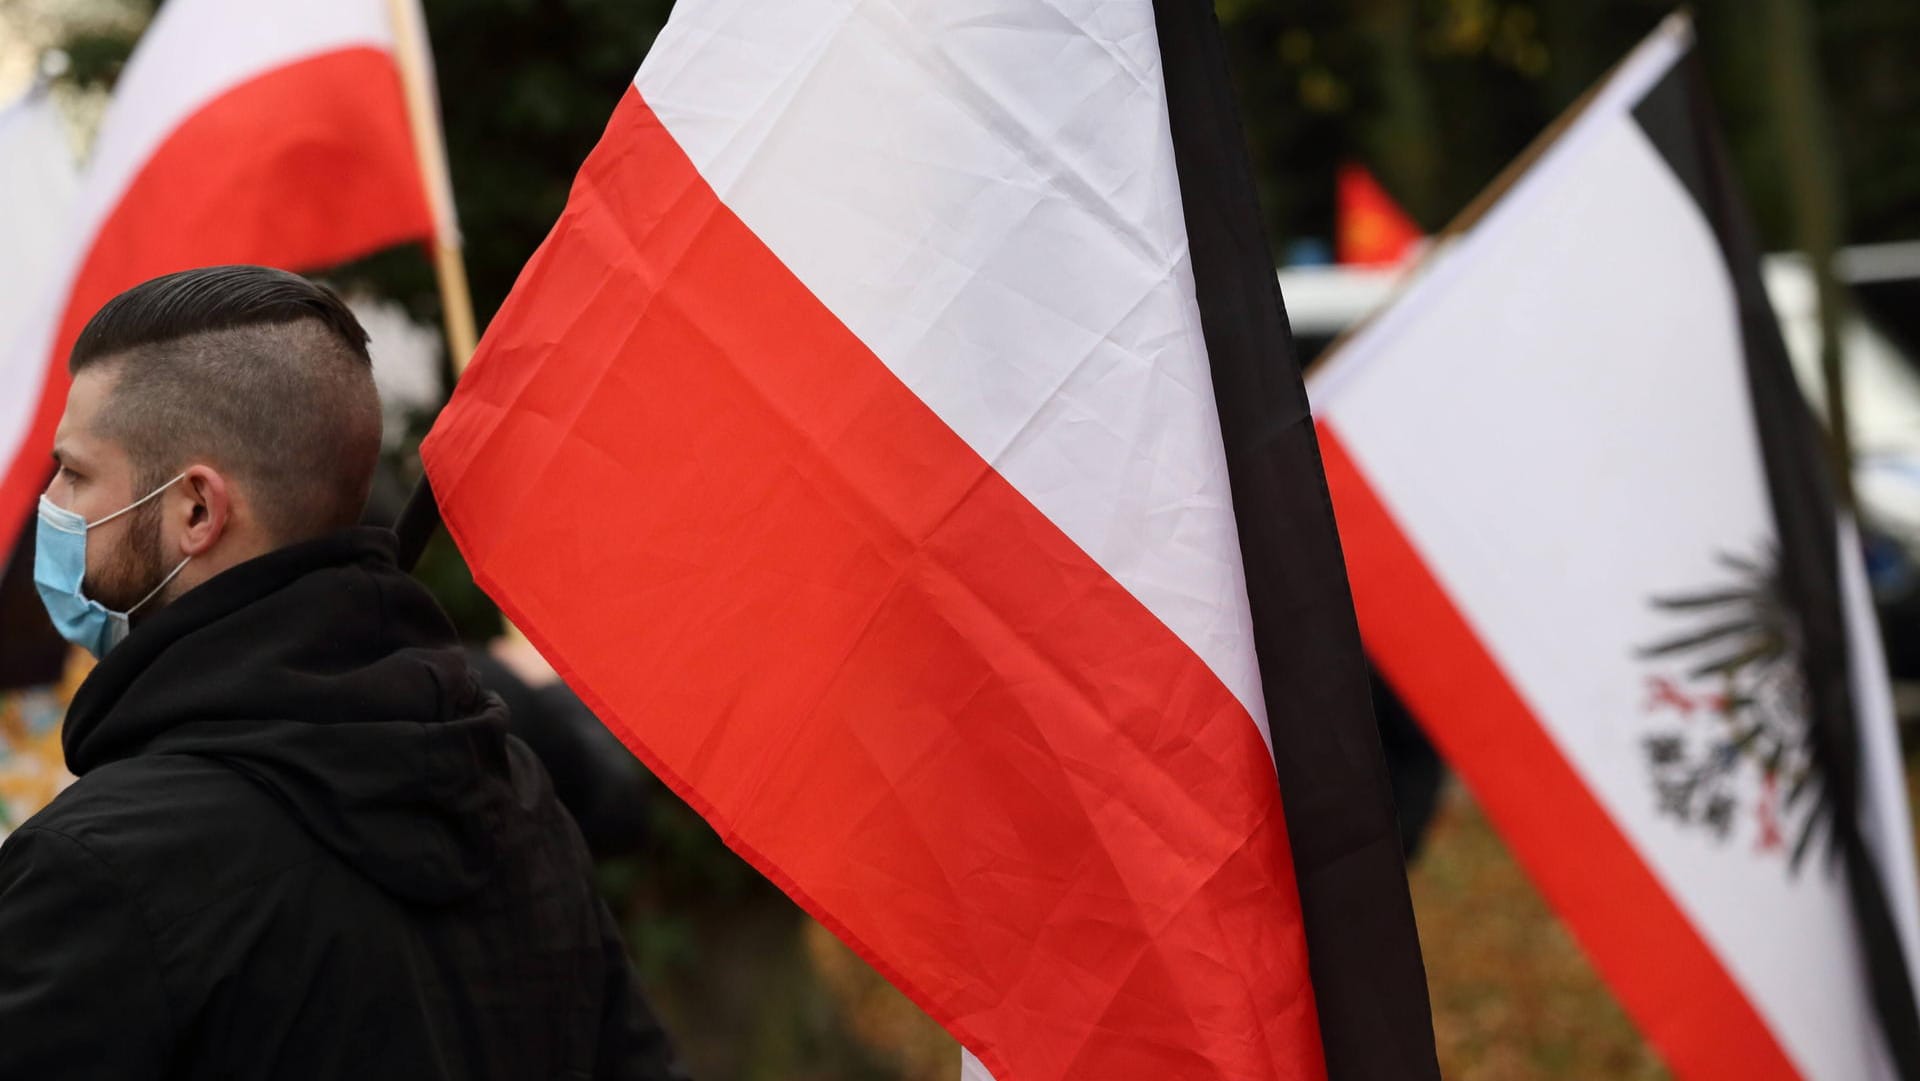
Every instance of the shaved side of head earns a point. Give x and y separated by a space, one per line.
258 372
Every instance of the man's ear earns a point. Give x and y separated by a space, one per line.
208 511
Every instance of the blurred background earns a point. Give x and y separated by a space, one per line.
1371 124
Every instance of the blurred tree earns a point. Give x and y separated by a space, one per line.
1867 51
1400 137
1435 96
526 88
1804 136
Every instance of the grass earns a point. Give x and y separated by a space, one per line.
1513 996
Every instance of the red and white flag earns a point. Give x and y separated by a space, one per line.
1593 548
242 131
39 176
897 443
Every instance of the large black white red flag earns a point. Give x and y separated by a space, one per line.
1592 545
897 441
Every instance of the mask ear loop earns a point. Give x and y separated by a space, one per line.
171 575
143 499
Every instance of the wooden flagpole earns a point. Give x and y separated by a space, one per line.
430 149
449 267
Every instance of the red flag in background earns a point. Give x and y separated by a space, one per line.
1370 228
243 131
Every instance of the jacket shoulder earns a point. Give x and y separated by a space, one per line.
79 962
176 830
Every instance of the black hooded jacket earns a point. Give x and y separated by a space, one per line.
302 845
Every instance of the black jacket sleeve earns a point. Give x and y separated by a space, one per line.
80 993
633 1046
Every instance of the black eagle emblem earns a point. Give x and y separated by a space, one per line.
1729 695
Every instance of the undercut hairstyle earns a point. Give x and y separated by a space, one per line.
259 373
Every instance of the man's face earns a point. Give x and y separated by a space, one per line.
94 478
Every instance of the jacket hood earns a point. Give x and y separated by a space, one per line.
331 679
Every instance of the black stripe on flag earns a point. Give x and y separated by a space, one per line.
1363 951
1677 117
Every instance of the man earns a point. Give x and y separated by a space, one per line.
301 844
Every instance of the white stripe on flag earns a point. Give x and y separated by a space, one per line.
1010 244
38 175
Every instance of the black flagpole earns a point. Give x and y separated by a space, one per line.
1369 981
417 523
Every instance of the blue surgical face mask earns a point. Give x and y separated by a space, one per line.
60 566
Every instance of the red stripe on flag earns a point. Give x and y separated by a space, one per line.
304 167
884 677
1664 973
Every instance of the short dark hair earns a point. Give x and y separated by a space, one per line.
257 371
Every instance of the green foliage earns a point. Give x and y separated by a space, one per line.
1434 96
1867 51
1437 96
96 56
526 89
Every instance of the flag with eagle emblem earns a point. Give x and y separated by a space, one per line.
1593 546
